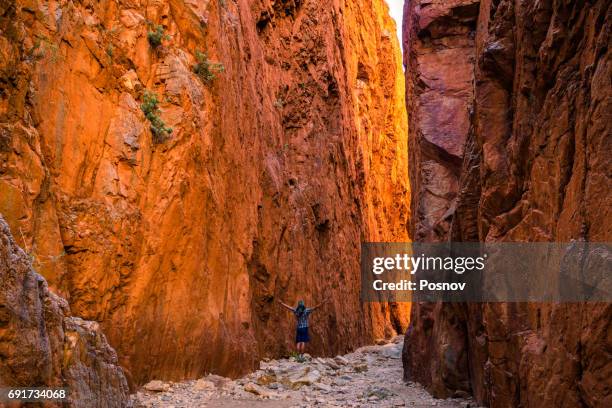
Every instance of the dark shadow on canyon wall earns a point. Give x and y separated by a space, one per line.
510 140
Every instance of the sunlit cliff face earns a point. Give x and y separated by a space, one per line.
274 172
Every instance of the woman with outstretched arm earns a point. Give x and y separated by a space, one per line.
302 313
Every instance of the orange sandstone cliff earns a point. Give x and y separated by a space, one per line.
263 176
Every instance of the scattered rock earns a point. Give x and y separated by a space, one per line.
375 380
203 384
378 392
266 377
308 378
323 387
156 386
220 382
257 390
392 350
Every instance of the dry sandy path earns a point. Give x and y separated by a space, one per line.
369 377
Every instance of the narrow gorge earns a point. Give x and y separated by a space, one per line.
171 170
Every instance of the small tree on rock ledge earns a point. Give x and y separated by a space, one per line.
150 108
205 69
156 35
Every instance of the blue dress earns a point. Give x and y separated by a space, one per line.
301 335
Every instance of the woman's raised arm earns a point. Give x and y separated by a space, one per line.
287 306
320 304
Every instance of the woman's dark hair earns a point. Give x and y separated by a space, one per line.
300 308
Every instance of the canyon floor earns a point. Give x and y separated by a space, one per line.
370 376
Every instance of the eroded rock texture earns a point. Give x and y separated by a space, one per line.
517 148
274 172
42 345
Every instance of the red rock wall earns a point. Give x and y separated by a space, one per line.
42 345
274 173
534 166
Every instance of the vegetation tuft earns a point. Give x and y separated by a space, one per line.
156 35
42 47
150 108
206 70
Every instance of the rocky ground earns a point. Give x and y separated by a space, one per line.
371 376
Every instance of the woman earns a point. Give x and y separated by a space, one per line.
302 313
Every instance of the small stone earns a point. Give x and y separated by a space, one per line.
322 387
341 360
392 350
332 364
360 368
219 381
257 390
156 386
203 384
265 378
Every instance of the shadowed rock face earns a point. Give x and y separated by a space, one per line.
274 172
517 149
41 344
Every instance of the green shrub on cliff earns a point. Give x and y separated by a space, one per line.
150 108
156 35
205 69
